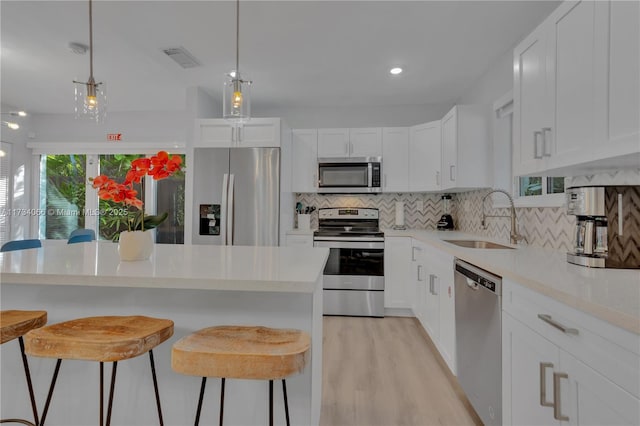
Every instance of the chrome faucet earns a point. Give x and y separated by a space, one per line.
514 236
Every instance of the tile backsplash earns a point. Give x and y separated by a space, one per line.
548 227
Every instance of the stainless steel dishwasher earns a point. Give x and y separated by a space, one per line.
478 339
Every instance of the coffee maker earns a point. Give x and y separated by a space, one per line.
446 221
607 233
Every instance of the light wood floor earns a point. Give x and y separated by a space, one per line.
386 371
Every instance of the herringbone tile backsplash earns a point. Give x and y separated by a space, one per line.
548 227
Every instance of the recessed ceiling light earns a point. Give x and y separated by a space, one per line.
395 71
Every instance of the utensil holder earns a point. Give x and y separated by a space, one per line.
304 221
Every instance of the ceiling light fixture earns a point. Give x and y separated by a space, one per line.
11 125
236 101
16 113
396 71
90 97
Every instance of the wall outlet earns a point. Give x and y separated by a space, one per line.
420 206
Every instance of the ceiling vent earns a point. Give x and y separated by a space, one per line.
182 57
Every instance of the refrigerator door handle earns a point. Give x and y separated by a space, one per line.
230 206
223 209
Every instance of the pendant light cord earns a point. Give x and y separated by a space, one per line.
90 40
238 39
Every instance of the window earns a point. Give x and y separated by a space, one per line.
533 186
71 202
5 190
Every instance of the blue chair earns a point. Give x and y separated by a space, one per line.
80 239
83 231
20 245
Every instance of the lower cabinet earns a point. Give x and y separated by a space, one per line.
552 371
397 272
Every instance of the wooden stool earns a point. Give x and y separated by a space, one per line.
241 353
102 339
16 324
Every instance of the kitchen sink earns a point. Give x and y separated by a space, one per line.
478 244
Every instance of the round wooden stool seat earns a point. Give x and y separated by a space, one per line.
241 352
103 339
14 324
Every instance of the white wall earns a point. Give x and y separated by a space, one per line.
366 116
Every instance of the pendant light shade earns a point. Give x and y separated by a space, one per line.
90 97
236 94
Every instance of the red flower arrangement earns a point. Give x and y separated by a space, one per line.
160 166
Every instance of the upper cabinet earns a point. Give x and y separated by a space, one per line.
576 80
424 157
304 158
466 148
219 133
395 159
365 142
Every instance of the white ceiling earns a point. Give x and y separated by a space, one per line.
298 53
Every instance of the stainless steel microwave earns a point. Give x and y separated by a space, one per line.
352 175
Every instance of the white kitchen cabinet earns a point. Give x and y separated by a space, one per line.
465 148
531 102
397 272
395 159
219 133
576 107
424 157
418 282
333 143
365 142
304 165
561 365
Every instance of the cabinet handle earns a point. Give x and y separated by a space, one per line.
557 403
419 269
546 147
413 253
437 178
452 172
547 318
543 384
431 283
239 134
537 144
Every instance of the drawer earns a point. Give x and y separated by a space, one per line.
610 350
299 240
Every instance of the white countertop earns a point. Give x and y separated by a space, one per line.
612 295
236 268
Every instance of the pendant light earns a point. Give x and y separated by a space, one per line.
236 100
90 97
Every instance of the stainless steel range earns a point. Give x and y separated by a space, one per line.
354 273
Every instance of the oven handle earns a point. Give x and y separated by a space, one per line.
350 244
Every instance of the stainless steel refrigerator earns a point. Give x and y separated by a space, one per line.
236 196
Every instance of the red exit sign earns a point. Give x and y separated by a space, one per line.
114 136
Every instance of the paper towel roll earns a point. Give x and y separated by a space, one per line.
399 213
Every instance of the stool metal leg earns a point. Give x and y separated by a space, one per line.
155 387
27 373
101 393
53 384
286 403
202 386
111 389
221 400
270 402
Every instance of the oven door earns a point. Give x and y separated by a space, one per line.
354 265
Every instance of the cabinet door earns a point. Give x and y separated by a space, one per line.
417 279
450 149
528 363
333 143
365 142
395 159
431 315
293 240
588 398
258 132
424 157
304 167
213 133
623 115
530 102
447 320
572 55
397 272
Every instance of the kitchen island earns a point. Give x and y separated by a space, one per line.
196 286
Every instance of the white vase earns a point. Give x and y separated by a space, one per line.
135 245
